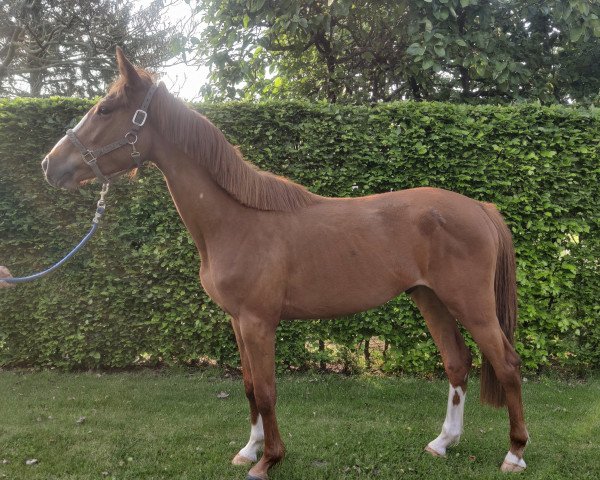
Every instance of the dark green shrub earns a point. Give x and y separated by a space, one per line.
133 294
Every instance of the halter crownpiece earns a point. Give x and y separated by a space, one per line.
90 157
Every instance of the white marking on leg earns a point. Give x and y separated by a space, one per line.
257 438
453 425
512 459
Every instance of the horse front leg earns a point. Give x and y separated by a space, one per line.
248 454
258 338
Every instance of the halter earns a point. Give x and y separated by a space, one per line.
90 157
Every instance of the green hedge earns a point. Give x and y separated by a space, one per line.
133 294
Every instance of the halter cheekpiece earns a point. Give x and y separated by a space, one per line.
90 157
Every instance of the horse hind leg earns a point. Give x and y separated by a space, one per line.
506 364
456 357
476 310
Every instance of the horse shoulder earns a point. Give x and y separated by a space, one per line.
247 271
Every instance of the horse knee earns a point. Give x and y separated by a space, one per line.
265 400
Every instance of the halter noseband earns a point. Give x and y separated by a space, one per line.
90 157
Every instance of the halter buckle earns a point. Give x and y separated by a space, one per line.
139 117
89 157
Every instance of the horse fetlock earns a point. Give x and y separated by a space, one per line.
451 433
455 440
249 453
442 442
275 455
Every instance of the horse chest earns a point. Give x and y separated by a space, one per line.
210 287
235 288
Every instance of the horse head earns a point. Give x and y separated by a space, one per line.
109 139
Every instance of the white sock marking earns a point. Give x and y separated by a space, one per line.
512 458
453 425
257 438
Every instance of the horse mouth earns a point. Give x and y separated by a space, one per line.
65 181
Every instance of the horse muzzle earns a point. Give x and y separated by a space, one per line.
61 175
45 165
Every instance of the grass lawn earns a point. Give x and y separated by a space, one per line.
150 425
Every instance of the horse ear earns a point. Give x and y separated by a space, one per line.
126 68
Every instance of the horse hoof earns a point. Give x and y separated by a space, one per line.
252 477
241 460
433 452
511 467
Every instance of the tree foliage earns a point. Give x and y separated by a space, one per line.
66 47
369 51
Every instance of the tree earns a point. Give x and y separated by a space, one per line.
369 50
66 47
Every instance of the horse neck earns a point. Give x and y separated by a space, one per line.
205 208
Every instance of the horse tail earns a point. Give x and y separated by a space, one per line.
505 289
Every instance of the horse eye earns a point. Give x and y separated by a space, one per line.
103 111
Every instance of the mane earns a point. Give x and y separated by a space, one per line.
201 140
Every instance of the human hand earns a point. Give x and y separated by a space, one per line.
5 273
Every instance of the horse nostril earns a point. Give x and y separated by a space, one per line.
45 165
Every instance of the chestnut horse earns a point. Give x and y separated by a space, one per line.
271 250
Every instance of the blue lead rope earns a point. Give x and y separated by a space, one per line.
99 212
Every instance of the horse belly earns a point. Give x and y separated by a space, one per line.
329 306
345 282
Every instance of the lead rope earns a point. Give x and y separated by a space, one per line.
90 157
100 209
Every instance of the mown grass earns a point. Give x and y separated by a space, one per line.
151 425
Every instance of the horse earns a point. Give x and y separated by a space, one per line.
272 250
